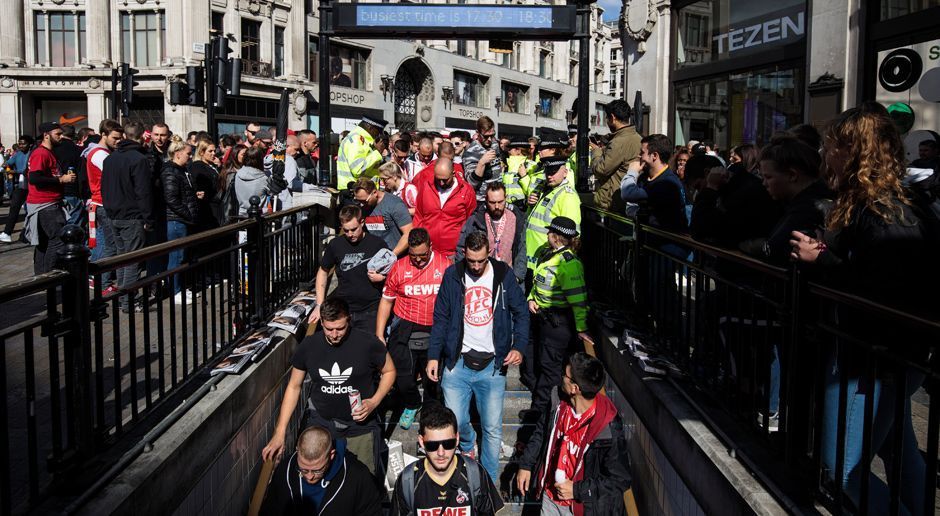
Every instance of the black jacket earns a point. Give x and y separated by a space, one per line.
806 212
126 183
740 210
351 490
606 466
178 194
69 155
205 178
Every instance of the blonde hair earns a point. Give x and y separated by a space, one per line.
874 166
176 144
201 146
391 169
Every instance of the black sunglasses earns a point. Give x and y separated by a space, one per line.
448 444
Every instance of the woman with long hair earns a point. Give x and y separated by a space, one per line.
875 247
205 176
747 155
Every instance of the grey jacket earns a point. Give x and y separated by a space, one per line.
250 181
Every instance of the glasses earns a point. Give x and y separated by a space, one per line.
448 444
313 472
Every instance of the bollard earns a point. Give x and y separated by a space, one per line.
255 263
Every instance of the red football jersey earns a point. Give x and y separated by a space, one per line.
414 290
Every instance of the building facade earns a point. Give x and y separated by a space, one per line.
56 58
737 71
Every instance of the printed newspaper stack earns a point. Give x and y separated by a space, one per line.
251 348
292 317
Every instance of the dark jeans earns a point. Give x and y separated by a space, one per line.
555 338
365 320
104 243
50 222
76 209
174 230
17 200
408 364
128 236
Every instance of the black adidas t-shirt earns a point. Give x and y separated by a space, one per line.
334 370
351 262
454 498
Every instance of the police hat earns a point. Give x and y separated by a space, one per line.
552 139
551 165
519 144
572 129
563 226
374 121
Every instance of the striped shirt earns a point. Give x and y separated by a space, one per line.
414 290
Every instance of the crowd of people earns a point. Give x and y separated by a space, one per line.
479 237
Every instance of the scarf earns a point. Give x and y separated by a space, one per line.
570 432
501 241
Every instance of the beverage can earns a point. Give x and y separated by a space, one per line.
355 400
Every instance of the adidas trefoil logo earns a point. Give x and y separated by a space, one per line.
335 376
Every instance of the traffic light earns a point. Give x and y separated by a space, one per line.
221 67
195 79
128 83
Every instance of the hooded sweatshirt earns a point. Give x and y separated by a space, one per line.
249 181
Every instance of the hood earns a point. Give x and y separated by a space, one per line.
340 446
128 145
247 173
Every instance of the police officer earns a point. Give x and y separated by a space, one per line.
573 150
553 197
518 167
558 301
357 154
551 143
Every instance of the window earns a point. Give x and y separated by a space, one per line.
251 40
599 117
895 8
469 89
218 22
615 54
278 51
513 97
313 57
348 66
462 47
60 38
545 64
709 32
549 104
143 37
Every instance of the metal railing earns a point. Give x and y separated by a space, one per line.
794 362
87 367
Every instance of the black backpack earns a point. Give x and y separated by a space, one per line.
230 204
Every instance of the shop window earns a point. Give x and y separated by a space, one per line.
513 97
469 89
60 38
711 30
549 104
143 37
348 66
895 8
740 108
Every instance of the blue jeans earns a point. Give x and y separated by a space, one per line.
175 230
911 463
488 386
76 210
104 243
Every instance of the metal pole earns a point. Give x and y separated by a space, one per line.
584 94
210 89
114 94
326 158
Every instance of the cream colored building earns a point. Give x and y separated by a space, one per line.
56 58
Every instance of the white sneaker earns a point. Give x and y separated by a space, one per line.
183 294
5 238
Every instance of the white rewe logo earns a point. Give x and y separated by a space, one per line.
334 376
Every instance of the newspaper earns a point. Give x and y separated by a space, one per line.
290 318
248 351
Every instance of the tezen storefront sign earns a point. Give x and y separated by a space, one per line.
781 27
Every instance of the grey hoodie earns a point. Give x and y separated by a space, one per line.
250 181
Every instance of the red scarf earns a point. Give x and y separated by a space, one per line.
570 431
501 241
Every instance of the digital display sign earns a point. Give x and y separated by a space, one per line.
478 21
466 16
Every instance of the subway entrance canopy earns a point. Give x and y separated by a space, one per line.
498 22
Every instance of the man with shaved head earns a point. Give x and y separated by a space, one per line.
445 201
304 484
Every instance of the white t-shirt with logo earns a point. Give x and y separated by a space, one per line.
478 312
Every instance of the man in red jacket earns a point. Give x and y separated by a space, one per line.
444 204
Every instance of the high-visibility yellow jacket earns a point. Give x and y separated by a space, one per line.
357 156
558 282
559 201
572 164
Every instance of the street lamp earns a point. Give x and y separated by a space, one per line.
569 116
388 82
448 96
499 104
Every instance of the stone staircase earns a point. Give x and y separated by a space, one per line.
517 399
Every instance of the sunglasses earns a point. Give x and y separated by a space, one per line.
448 444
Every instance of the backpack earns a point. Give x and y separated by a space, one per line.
472 468
229 202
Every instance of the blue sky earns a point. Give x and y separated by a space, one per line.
611 9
